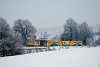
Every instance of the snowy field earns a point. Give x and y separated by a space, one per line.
72 57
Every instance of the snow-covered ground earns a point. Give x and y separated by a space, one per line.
73 57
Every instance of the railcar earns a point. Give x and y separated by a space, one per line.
47 43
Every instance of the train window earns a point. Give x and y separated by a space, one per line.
30 41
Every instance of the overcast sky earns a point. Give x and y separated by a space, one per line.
50 13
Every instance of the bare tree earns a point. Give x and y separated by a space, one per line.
25 28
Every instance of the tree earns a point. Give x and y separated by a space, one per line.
25 28
75 31
99 32
98 40
9 45
4 28
70 30
85 32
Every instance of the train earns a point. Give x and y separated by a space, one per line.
48 43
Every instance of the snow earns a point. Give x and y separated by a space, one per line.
72 57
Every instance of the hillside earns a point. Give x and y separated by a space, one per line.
73 57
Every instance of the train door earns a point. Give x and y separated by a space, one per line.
42 42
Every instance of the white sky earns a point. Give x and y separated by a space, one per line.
50 13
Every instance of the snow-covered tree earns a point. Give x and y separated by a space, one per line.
85 32
25 28
75 31
4 28
98 40
70 30
99 31
9 45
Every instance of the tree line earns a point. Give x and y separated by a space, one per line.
74 31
